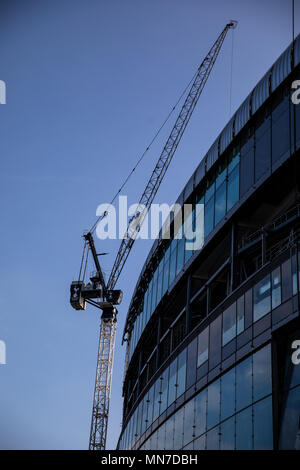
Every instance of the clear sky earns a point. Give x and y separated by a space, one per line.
88 83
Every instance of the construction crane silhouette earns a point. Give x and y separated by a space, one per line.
103 295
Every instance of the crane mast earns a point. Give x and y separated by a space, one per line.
102 295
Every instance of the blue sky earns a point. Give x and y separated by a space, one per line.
88 83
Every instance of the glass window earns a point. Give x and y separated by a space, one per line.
181 375
145 411
154 290
189 416
149 311
200 412
213 439
139 420
247 166
294 274
240 307
156 403
169 444
221 178
233 188
233 162
145 307
147 445
209 216
248 308
180 255
262 298
160 280
164 390
166 272
263 148
244 384
134 434
215 342
153 441
178 435
228 394
209 192
189 446
213 404
129 433
199 224
150 406
290 428
227 435
244 430
280 130
286 280
200 443
161 437
172 266
172 382
220 204
188 236
263 425
229 324
202 347
276 288
192 363
262 373
187 253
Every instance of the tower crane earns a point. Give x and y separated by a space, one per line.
103 295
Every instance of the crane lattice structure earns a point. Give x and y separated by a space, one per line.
102 295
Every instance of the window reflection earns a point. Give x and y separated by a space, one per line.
202 347
244 430
227 441
262 298
228 394
244 384
209 419
213 404
229 324
263 426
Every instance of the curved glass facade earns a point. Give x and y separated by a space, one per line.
245 390
209 332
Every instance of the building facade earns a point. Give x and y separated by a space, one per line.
212 333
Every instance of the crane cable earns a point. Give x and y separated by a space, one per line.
82 261
145 151
93 228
